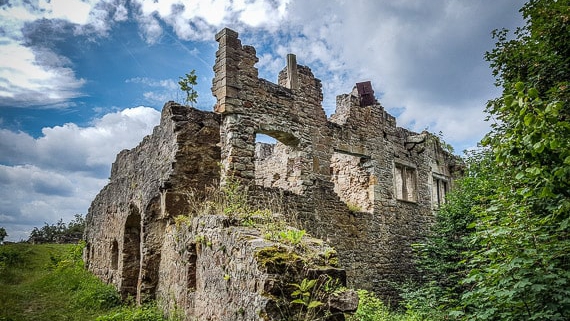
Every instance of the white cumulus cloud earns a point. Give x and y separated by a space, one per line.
58 174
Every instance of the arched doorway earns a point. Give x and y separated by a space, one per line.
131 253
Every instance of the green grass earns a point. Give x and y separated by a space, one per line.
48 282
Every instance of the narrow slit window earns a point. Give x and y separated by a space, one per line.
115 255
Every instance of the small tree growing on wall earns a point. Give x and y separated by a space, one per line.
187 84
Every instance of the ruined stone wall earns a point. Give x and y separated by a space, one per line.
358 158
251 105
213 269
354 180
148 186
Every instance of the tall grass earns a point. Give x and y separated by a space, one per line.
48 282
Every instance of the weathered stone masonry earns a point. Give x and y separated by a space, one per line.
356 180
358 158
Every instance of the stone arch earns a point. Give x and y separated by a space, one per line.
152 237
285 137
131 253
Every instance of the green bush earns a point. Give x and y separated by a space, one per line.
148 312
93 294
10 257
370 308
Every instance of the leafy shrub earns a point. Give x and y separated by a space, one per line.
11 260
93 294
148 312
10 257
370 308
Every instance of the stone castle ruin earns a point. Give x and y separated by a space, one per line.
354 180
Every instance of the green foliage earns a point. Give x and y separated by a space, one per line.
306 294
441 257
147 312
235 199
371 308
513 261
59 232
12 260
289 236
187 84
182 220
539 53
11 257
429 301
520 269
3 234
308 298
48 282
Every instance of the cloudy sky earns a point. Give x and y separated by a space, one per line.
82 80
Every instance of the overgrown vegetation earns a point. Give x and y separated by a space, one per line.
501 247
290 257
371 308
48 282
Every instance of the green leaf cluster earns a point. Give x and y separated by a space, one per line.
303 295
187 84
521 270
441 259
501 247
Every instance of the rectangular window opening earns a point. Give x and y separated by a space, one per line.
439 191
405 182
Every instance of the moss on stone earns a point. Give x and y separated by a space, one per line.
277 259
